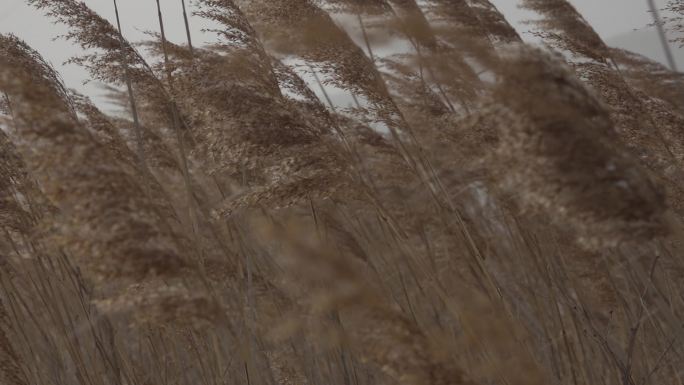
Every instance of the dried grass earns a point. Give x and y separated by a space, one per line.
486 213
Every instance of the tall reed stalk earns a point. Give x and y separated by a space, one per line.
131 98
186 20
662 35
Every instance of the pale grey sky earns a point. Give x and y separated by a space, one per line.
609 18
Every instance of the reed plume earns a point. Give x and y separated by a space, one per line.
495 22
278 152
650 77
112 59
476 23
328 48
567 28
92 32
470 37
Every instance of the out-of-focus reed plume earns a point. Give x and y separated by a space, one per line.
563 156
659 147
385 337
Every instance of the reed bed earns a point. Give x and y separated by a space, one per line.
483 211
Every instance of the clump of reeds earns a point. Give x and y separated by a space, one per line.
134 240
426 234
115 220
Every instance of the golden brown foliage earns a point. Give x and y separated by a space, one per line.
486 212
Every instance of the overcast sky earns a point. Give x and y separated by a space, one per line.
609 18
